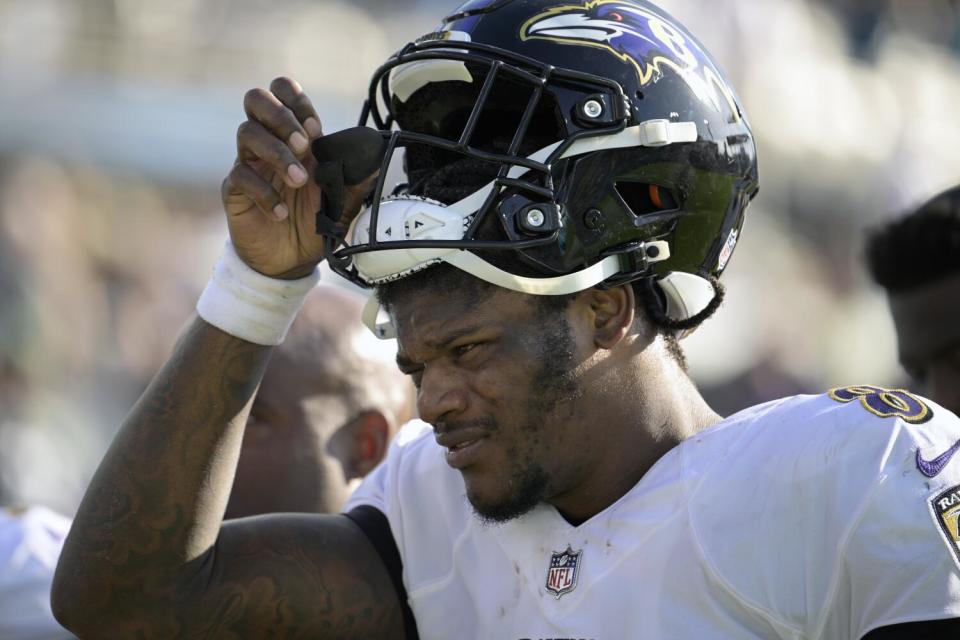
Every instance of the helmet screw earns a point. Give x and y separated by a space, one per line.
535 218
592 108
653 252
593 219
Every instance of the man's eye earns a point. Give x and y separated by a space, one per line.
464 349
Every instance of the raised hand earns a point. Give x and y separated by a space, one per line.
269 196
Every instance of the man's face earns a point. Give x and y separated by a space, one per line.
284 465
927 320
495 379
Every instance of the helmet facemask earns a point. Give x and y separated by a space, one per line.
447 143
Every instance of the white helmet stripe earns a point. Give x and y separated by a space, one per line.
382 327
651 133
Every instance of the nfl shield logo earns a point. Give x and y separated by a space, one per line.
563 572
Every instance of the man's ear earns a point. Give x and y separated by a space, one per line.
611 312
368 437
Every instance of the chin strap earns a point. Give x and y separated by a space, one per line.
380 324
377 320
686 294
680 302
556 286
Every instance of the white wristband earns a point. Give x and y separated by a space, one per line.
250 305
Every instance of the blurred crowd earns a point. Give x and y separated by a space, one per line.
117 121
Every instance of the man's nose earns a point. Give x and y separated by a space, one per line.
442 395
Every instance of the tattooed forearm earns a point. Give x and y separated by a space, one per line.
157 500
147 556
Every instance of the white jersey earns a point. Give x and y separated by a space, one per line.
810 517
30 543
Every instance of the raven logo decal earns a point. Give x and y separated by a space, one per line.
644 39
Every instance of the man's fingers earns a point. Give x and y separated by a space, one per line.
244 182
254 141
290 93
264 107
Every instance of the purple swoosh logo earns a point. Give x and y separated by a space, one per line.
932 468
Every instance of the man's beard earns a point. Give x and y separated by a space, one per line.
528 482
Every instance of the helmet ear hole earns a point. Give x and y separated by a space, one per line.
643 198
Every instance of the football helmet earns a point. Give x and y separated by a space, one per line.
553 146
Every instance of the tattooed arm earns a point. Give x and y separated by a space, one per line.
147 556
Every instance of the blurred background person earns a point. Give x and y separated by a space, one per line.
330 402
916 260
30 543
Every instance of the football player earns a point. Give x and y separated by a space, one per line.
917 261
577 176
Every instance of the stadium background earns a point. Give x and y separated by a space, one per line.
117 121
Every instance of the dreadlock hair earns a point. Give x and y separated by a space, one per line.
918 249
653 302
